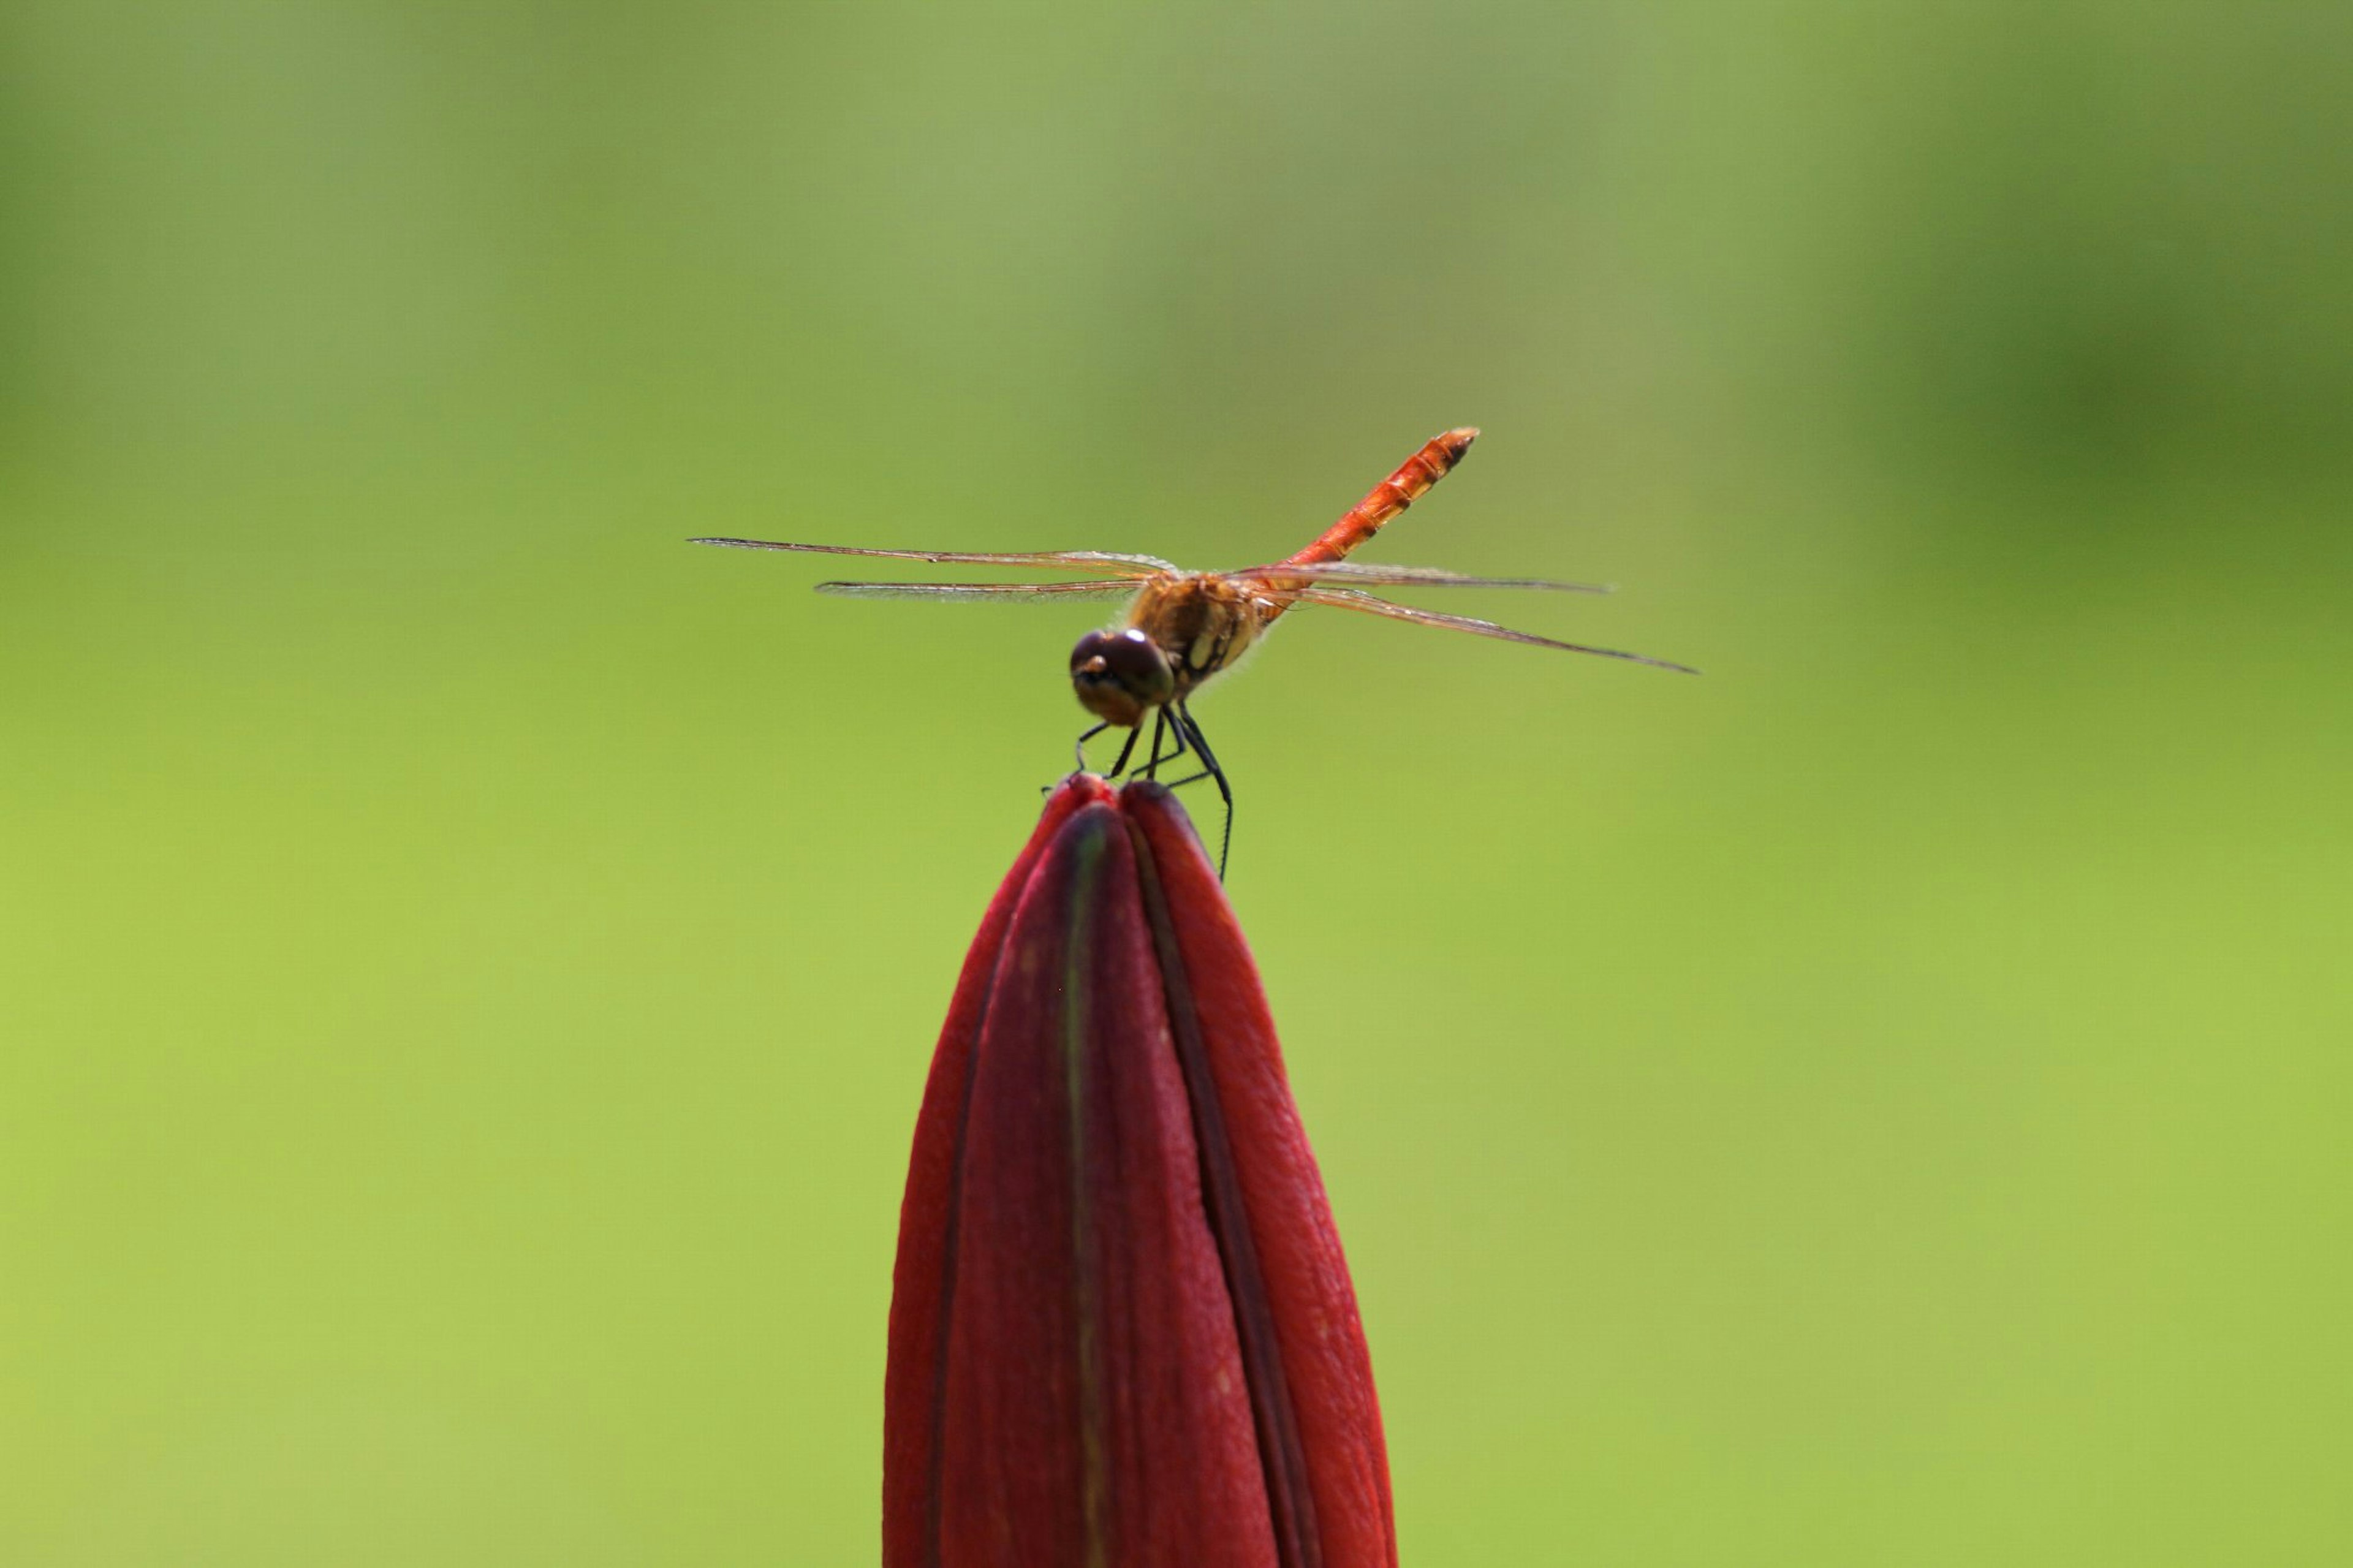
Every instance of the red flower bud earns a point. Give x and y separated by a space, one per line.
1122 1329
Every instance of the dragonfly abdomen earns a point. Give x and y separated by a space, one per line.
1391 496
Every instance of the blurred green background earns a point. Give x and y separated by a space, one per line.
470 959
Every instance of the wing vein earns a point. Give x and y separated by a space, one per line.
1114 589
1349 599
1373 574
1109 564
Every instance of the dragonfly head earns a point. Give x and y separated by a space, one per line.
1120 675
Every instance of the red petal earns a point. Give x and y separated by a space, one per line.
924 1277
1312 1306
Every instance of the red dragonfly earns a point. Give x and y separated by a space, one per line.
1183 627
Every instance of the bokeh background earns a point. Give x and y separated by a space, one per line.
470 959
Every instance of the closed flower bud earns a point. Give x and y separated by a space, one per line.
1122 1329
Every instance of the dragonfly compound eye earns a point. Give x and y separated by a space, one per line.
1119 675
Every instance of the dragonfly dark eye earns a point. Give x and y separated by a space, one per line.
1118 675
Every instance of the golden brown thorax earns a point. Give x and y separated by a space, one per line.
1203 624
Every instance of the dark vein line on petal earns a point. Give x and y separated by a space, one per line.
1078 962
1290 1499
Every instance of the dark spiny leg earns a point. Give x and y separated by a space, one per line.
1159 727
1188 778
1126 750
1081 749
1178 731
1176 745
1189 725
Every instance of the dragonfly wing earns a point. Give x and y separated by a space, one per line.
1098 590
1111 563
1349 599
1353 574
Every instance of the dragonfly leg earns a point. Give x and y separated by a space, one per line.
1187 724
1081 749
1159 729
1181 737
1126 750
1177 747
1176 744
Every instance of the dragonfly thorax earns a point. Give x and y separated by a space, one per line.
1120 676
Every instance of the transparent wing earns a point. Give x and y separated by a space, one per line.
1111 590
1108 562
1349 599
1355 573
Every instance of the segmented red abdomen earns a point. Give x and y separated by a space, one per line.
1391 496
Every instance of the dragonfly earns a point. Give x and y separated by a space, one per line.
1184 628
